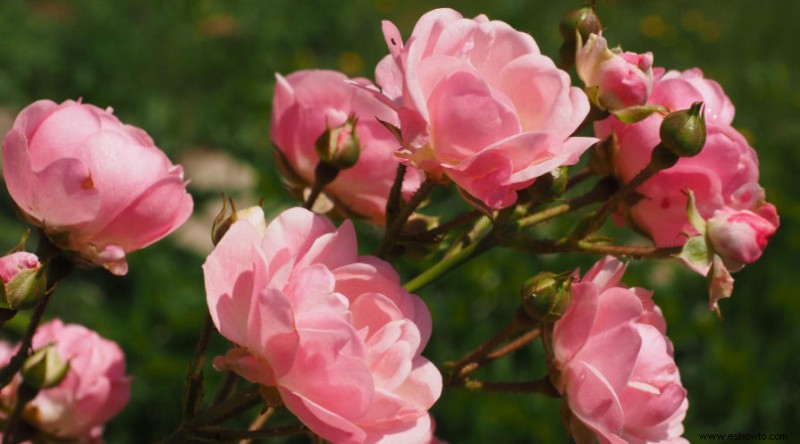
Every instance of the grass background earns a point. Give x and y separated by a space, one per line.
198 76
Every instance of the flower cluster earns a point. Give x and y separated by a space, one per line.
332 335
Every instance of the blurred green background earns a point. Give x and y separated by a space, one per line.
198 76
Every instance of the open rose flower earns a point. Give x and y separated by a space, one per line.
725 173
336 334
614 363
308 102
94 390
97 187
617 79
479 104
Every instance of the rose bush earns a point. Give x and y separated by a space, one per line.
97 187
614 364
336 334
479 104
308 102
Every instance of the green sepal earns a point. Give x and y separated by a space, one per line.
633 114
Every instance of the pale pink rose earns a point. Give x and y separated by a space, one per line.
12 264
94 390
98 187
740 236
479 104
308 102
725 173
334 332
621 79
614 363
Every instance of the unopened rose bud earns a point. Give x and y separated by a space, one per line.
340 146
24 281
546 296
44 368
684 132
581 22
615 80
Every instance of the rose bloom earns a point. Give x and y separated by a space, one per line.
336 334
308 102
479 104
94 390
740 236
621 79
97 187
725 173
614 363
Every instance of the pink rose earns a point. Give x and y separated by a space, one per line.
725 173
740 236
480 105
335 333
94 390
98 187
308 102
619 79
615 364
24 281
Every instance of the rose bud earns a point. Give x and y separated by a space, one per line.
24 280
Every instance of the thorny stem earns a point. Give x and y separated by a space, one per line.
258 423
542 386
223 435
510 347
216 415
520 321
395 225
228 385
193 387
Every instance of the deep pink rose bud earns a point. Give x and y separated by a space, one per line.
614 364
740 236
331 335
323 112
98 187
480 105
613 78
24 280
93 391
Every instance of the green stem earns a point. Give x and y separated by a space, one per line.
8 372
450 262
25 394
396 225
324 174
542 386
